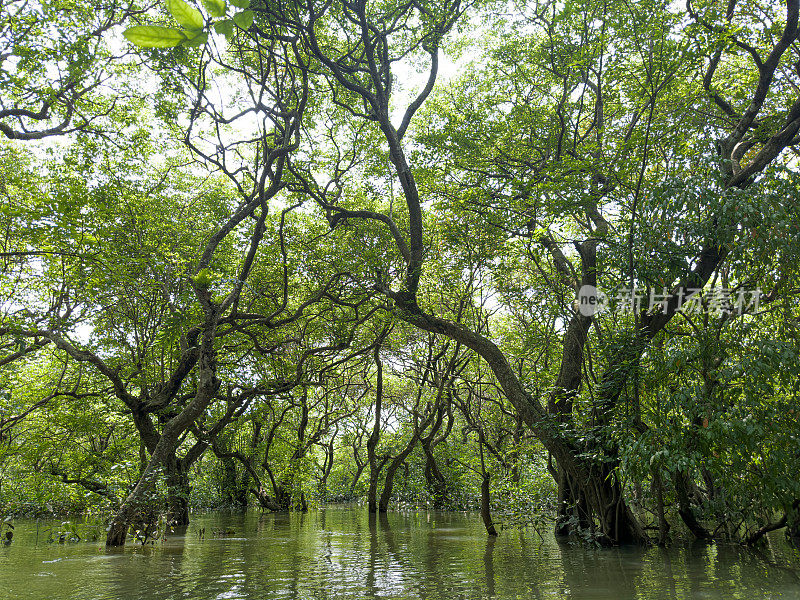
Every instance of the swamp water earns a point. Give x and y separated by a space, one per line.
342 553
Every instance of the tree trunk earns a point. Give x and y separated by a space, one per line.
265 500
793 524
327 467
374 437
134 507
391 471
663 525
178 490
685 508
283 496
240 499
486 505
234 488
164 451
435 482
573 512
356 477
593 482
372 492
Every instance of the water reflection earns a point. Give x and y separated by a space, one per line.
346 553
488 565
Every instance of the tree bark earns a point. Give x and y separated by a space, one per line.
234 488
486 504
572 512
391 471
164 451
685 508
595 479
435 481
178 490
663 524
372 442
134 506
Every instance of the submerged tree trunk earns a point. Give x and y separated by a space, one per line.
134 508
486 478
372 492
372 442
391 471
595 480
435 481
486 504
164 452
685 509
573 512
663 524
178 490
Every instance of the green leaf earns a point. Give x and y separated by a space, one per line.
198 40
185 15
154 36
216 8
244 19
241 3
205 277
224 27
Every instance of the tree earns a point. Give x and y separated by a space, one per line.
55 66
746 147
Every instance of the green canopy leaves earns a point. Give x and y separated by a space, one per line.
155 36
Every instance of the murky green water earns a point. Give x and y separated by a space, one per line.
340 553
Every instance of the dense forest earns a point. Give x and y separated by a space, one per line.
537 259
